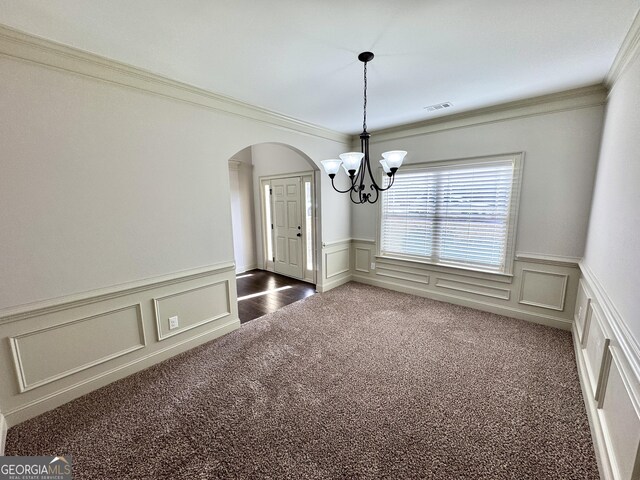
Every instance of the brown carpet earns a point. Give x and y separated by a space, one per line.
359 382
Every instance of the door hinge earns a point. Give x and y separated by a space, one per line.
273 259
272 226
271 191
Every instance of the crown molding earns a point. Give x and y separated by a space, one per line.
583 97
628 50
31 48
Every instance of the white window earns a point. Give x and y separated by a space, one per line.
456 213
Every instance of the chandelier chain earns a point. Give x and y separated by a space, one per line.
364 122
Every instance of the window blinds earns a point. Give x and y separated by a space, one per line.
452 214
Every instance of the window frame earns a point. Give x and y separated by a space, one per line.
518 166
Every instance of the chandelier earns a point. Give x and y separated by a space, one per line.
356 164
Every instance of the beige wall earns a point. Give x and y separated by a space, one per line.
103 185
561 151
613 240
242 211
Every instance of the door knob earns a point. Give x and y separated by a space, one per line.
298 234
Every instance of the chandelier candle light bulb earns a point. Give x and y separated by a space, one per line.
357 165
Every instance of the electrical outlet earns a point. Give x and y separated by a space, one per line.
173 323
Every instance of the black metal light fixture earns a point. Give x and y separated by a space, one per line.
356 164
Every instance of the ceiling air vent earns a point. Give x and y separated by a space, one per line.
439 106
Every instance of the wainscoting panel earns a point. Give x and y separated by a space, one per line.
336 265
596 343
544 289
363 259
48 354
583 303
474 287
621 420
337 262
53 352
608 361
541 289
193 308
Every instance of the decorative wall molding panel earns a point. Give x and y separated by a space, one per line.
583 304
336 264
608 369
540 290
198 306
475 288
362 259
23 46
543 289
60 351
48 354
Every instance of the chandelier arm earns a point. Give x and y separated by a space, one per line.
342 191
393 178
374 184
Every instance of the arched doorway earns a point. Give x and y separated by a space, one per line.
275 226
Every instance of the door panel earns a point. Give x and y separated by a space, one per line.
287 223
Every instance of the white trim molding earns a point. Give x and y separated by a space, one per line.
628 50
609 371
31 48
3 434
548 259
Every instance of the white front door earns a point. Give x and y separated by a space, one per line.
287 226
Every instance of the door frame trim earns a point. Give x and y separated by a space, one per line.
268 264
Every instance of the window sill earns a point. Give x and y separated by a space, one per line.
386 261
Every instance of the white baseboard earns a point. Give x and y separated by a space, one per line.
246 268
328 285
3 434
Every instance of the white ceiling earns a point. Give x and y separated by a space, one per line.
298 57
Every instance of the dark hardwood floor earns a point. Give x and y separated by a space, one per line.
254 282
